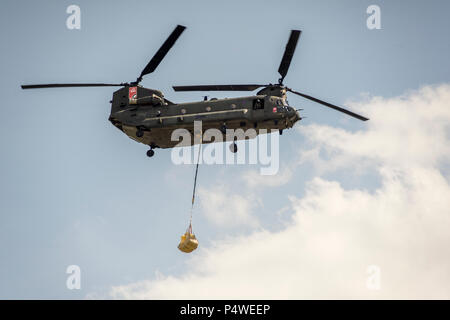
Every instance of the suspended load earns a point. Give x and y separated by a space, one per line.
188 241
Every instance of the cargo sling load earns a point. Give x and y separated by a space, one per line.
188 241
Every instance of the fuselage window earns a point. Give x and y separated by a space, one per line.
258 104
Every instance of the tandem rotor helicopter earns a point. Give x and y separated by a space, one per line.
146 116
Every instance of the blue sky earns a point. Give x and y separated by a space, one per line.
75 190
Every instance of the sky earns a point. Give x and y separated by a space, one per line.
349 198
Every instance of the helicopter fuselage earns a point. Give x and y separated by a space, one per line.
146 116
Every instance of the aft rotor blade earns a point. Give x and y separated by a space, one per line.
161 53
69 85
288 54
329 105
222 87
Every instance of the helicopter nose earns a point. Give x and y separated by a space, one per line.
295 116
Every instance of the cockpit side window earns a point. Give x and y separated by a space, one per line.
258 104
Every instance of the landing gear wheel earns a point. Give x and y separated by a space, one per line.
150 153
139 133
223 128
281 132
233 147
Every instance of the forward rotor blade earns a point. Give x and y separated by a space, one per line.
357 116
68 85
161 53
288 53
226 87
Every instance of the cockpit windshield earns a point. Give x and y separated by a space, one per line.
282 103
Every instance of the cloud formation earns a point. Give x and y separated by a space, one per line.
224 208
334 234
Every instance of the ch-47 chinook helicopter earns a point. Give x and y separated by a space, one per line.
146 116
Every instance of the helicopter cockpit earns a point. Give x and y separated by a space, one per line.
282 104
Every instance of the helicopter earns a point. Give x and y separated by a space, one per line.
146 116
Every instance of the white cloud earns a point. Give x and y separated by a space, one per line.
407 130
335 234
225 208
255 179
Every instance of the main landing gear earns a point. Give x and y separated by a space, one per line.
223 128
151 153
233 147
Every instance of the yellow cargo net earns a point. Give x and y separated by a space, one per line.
188 241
